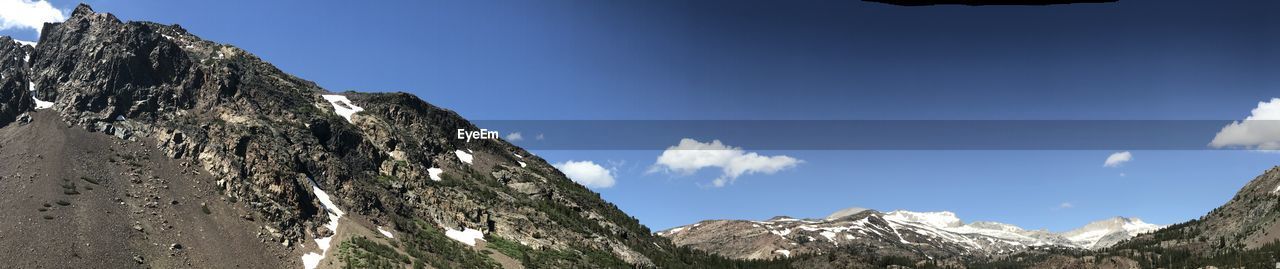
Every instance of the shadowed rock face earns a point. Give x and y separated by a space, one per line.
265 136
14 95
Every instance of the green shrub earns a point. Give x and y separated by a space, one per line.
360 252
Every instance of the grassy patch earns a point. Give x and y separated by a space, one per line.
579 257
360 252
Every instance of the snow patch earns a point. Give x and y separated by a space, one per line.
28 43
385 232
941 219
784 252
434 173
463 155
342 106
41 104
831 236
466 236
522 165
783 232
311 260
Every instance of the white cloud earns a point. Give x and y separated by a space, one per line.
1118 158
1066 205
27 14
690 156
1261 130
513 137
587 173
540 137
24 42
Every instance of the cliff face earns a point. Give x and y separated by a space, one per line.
276 144
14 74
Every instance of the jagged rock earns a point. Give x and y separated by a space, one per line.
24 118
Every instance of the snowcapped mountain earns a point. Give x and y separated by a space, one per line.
846 212
942 219
934 234
1104 233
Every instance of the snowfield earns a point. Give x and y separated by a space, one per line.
434 173
41 104
784 252
467 236
385 232
463 155
311 260
342 106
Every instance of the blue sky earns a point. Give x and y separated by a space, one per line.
606 60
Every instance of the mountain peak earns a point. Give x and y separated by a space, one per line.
1122 220
82 10
846 212
936 219
781 218
1109 231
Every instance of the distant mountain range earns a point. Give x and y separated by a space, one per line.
1243 233
936 234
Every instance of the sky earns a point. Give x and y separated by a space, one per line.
802 60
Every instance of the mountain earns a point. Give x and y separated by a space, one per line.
1108 232
1244 232
137 144
930 235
